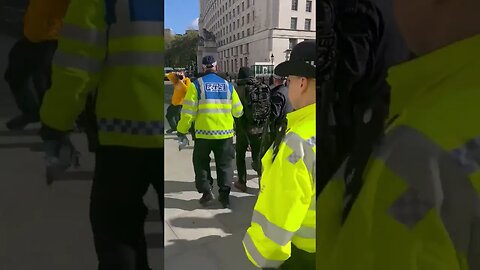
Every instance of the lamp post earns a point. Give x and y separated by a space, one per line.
272 58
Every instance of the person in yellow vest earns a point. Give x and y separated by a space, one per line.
417 205
179 92
115 47
212 103
282 231
30 58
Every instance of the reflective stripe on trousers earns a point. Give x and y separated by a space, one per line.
436 179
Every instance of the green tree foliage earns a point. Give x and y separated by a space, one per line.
181 50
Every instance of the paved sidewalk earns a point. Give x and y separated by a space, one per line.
195 237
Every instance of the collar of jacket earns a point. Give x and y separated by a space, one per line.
298 115
415 77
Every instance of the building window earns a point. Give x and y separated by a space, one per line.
233 25
248 3
292 42
238 9
238 35
246 48
241 49
293 23
308 22
246 61
294 4
243 6
248 32
243 34
241 62
309 6
243 20
248 18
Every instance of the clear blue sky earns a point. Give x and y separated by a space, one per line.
181 14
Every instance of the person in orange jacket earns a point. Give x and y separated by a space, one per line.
180 85
31 57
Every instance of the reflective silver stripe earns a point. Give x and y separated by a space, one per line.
132 29
202 90
256 256
227 86
189 103
301 149
215 101
135 59
435 179
90 36
313 204
187 111
69 60
306 232
236 105
272 231
215 110
131 127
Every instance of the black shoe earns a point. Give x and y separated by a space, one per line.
170 131
224 200
225 203
207 197
18 123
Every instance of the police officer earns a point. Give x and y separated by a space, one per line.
30 59
212 103
129 109
418 204
282 232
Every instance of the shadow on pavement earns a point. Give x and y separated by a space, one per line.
34 146
208 253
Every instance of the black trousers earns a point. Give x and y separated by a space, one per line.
245 139
30 62
173 115
224 153
117 210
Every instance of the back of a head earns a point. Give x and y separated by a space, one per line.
209 64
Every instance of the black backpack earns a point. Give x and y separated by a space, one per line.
258 104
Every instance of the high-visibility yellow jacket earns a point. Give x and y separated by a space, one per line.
285 210
179 89
43 19
211 102
124 64
419 206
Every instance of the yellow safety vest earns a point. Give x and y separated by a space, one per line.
211 102
419 206
119 51
285 210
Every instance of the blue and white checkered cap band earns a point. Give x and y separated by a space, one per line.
214 132
131 127
214 64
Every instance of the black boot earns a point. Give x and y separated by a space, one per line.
207 197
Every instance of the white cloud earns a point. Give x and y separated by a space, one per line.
195 24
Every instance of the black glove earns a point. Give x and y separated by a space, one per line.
50 134
181 135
